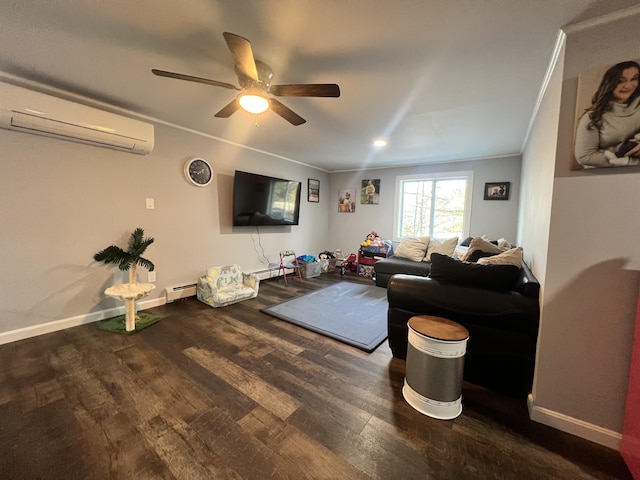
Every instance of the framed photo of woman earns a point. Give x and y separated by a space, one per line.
607 121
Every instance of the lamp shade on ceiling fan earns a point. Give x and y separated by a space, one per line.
253 103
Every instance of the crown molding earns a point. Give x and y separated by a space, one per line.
601 20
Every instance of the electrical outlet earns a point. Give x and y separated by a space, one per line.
151 204
151 277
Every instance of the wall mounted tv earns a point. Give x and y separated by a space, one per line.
264 200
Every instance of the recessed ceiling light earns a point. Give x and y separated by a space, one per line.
379 142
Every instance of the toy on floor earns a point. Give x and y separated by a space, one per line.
350 264
372 240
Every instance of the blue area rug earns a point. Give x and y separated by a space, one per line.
352 313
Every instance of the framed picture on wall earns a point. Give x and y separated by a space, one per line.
347 200
607 120
313 194
370 191
496 191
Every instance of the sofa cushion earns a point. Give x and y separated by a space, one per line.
489 277
413 248
513 256
444 247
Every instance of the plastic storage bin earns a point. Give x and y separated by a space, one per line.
311 269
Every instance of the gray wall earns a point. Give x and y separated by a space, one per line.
493 218
592 261
61 202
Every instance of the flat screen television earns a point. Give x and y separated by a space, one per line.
264 200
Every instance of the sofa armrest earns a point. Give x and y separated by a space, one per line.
207 284
251 280
527 282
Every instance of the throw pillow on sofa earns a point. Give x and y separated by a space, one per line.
490 277
479 243
413 248
466 242
513 256
444 247
477 255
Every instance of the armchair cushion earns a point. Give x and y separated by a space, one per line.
222 286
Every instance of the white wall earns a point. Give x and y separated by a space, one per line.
493 218
591 272
538 164
61 202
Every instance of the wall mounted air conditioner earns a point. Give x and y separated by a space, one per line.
28 111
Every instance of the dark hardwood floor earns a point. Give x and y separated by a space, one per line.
233 393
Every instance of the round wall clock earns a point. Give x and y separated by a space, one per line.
198 171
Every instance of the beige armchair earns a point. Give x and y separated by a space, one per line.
222 286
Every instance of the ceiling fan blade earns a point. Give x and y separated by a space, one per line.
306 90
180 76
286 113
242 54
229 109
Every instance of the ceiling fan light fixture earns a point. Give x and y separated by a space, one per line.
253 103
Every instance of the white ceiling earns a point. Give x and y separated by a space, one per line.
440 79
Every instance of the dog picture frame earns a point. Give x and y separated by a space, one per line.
497 190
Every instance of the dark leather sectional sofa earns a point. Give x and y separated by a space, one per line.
503 324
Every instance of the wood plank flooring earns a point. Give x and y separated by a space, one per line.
233 393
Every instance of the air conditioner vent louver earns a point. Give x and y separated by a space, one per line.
27 111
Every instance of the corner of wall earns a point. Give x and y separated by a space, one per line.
573 426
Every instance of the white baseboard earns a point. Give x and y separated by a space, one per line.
574 426
35 330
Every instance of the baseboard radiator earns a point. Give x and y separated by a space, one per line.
178 292
267 273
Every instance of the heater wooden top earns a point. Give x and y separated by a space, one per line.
438 328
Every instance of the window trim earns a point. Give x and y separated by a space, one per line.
464 174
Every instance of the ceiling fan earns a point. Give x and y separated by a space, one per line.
254 77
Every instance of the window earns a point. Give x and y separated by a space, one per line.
437 205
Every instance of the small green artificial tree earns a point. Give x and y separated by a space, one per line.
128 260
